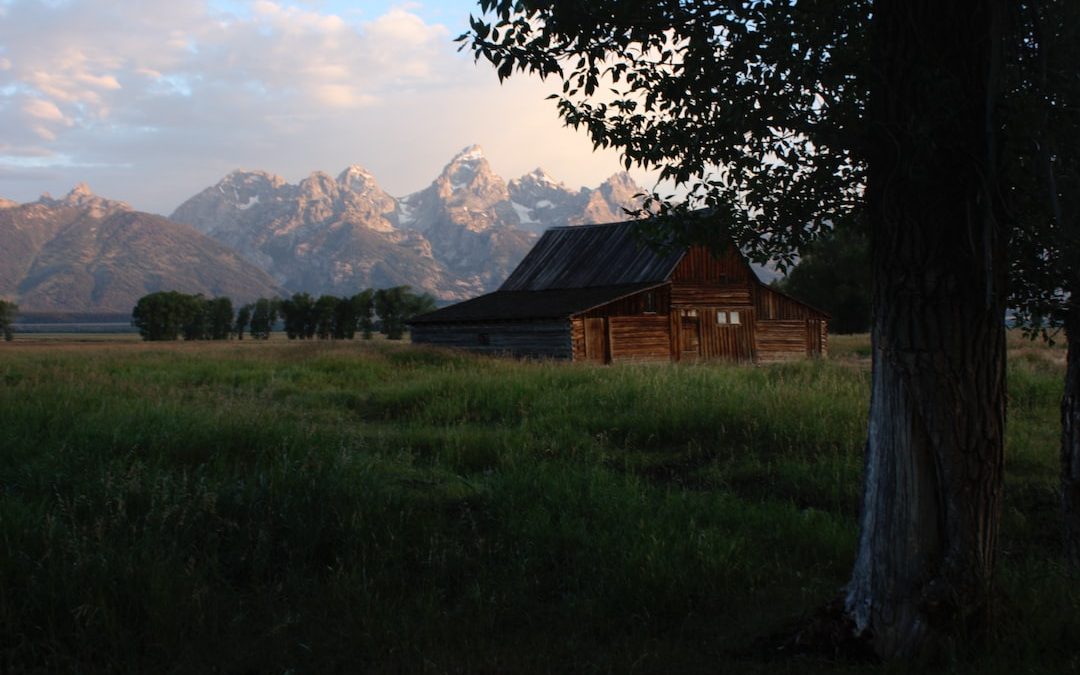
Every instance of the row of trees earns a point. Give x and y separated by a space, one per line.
8 311
169 315
329 317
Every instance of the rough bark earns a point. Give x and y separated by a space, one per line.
1070 440
934 453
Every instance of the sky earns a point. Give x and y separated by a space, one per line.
151 101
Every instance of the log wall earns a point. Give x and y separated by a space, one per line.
550 339
697 294
728 342
773 305
635 304
640 338
621 338
702 338
785 340
700 265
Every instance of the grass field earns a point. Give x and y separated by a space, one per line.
359 507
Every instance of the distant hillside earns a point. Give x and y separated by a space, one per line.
84 253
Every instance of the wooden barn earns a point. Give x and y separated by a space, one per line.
596 293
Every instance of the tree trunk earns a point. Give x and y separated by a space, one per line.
1070 439
934 452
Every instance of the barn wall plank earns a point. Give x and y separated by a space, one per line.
635 304
640 338
702 266
577 338
539 339
781 340
693 293
772 305
729 342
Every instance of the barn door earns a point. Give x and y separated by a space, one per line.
689 334
595 340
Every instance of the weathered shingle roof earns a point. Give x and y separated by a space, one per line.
560 303
586 256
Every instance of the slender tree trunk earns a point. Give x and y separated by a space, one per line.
1070 439
934 453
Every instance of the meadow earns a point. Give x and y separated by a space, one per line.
374 507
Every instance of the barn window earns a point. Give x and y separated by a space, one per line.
650 303
721 318
733 317
483 339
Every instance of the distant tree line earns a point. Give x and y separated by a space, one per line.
833 275
169 315
8 311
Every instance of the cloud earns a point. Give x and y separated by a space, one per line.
42 110
300 56
119 91
91 57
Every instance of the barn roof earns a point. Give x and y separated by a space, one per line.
587 256
559 303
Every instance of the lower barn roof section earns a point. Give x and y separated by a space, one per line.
524 305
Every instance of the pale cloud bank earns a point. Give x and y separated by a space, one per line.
152 101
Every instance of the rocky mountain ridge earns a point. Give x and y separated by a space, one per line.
82 252
457 238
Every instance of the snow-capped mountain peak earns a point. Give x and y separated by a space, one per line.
357 179
472 153
541 176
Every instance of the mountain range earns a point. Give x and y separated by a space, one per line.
253 234
86 253
458 237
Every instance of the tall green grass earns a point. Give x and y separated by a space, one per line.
348 508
